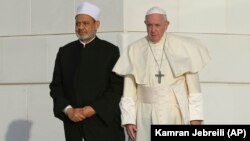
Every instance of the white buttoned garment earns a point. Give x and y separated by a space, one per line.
177 99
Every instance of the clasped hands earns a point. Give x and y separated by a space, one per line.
79 114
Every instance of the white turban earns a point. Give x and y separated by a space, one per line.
89 9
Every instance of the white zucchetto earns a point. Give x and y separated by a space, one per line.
89 9
156 10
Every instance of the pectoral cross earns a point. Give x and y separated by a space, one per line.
159 75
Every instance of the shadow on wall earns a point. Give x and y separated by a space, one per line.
19 130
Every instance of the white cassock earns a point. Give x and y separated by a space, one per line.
177 99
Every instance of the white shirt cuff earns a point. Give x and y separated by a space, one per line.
66 108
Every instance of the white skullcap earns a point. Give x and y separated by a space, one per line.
89 9
156 10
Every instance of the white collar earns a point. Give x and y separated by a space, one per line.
86 43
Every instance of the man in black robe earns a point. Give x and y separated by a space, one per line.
85 91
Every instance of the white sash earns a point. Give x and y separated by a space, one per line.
155 95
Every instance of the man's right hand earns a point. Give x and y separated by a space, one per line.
131 130
76 114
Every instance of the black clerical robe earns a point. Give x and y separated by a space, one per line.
83 76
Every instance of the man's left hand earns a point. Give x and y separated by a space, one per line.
88 111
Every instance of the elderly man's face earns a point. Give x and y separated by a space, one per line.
156 26
86 27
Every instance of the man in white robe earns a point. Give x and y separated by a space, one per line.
161 79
